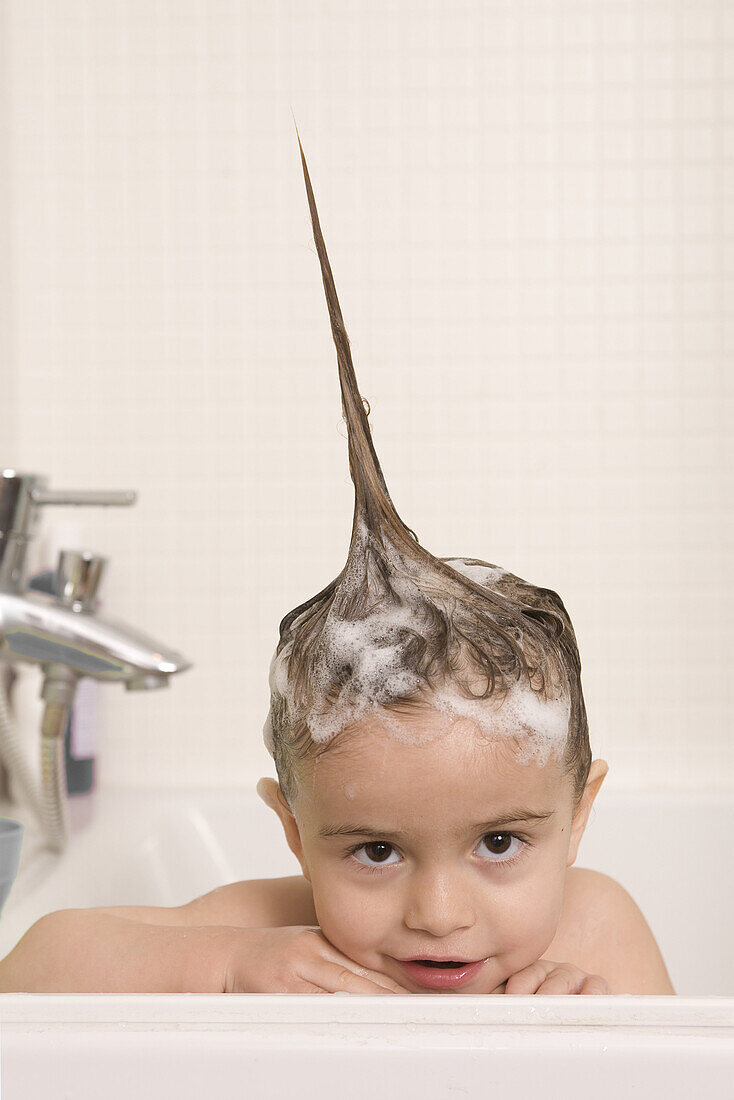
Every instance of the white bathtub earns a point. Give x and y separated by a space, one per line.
672 852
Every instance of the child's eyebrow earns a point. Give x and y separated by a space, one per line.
514 817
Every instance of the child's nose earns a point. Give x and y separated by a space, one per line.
439 905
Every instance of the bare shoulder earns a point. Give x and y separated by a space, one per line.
252 903
255 903
603 931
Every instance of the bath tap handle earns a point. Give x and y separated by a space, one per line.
21 496
78 574
84 496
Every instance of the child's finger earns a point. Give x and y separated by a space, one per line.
342 979
568 979
381 979
594 983
334 957
561 981
527 980
557 984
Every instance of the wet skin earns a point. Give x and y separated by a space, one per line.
455 883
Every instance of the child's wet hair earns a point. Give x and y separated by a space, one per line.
400 630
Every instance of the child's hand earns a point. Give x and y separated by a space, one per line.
297 959
553 978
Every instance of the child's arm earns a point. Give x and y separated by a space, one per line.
150 949
86 951
253 903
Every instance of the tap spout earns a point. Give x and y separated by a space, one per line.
36 628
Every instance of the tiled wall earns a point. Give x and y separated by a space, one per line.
529 212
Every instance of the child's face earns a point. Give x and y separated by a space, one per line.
456 883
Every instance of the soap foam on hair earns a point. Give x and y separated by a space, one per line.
366 655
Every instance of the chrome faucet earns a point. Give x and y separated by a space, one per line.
63 634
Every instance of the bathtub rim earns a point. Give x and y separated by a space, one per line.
194 1011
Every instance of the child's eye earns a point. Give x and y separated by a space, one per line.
503 842
499 844
378 848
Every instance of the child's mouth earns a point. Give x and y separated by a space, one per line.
446 974
428 962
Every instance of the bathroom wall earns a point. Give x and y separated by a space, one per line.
528 209
8 400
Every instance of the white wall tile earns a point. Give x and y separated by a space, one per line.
528 213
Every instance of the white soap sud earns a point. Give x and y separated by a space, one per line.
378 677
539 726
369 654
278 673
486 575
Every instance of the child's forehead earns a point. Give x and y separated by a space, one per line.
517 714
414 738
371 767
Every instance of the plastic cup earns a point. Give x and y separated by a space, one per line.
11 842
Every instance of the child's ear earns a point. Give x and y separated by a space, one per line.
272 795
597 774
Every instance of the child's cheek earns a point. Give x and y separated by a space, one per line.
355 929
528 931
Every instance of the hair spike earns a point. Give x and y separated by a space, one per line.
398 623
372 497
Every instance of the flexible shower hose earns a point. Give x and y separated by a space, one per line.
47 800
